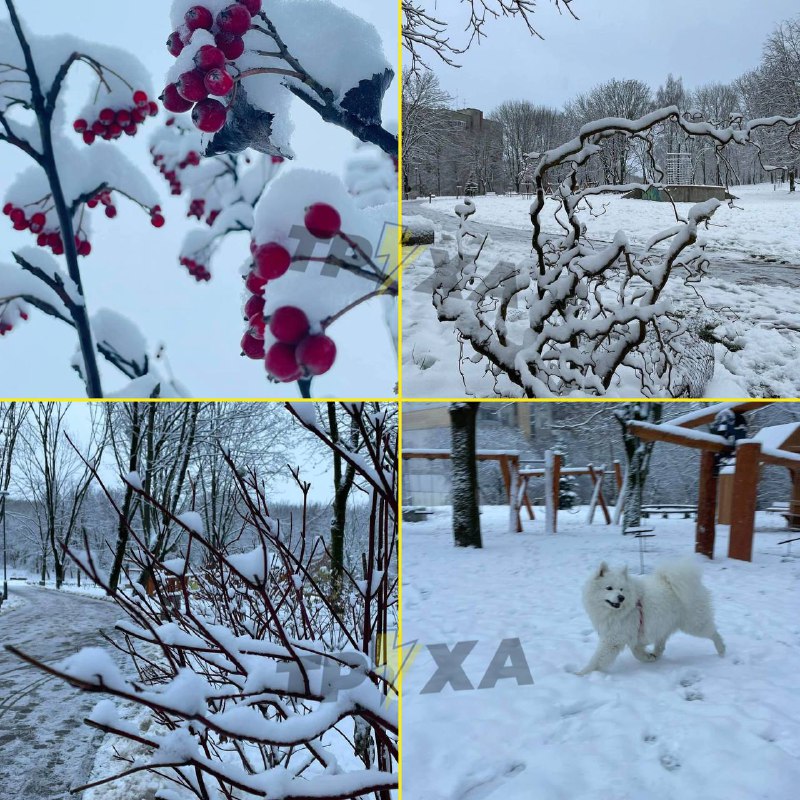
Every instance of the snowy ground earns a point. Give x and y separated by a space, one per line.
45 746
751 296
691 725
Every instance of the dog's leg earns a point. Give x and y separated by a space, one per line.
658 651
642 654
603 657
718 643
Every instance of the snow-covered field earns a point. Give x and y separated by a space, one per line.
690 726
750 298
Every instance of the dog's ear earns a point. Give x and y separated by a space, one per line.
601 570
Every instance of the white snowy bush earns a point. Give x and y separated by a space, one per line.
587 310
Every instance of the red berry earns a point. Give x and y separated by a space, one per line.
8 208
199 17
84 248
234 19
157 221
252 347
123 117
209 116
38 221
218 82
191 86
173 101
272 260
281 363
131 129
140 98
289 324
255 305
253 6
209 57
174 44
317 354
41 240
152 108
17 215
323 221
257 325
106 116
80 125
111 212
114 130
231 45
255 283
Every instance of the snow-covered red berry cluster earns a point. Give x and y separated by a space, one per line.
210 77
296 351
112 122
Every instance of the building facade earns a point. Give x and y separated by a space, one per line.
469 157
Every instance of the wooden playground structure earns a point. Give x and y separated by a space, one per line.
778 445
516 479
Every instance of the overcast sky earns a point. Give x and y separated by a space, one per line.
704 41
133 268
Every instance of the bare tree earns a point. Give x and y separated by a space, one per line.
527 128
424 33
426 122
55 477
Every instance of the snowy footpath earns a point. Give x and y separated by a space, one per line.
44 746
691 726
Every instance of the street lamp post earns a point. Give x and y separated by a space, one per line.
4 496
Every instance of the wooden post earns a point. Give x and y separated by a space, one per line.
745 489
524 480
597 495
618 477
706 506
556 483
794 504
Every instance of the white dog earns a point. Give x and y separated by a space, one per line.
641 611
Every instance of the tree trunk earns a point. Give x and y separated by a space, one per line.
466 512
791 180
342 484
122 529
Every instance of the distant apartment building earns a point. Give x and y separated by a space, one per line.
469 157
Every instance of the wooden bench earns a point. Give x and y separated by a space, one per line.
792 517
416 514
687 511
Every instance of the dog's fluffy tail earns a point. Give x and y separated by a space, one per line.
683 575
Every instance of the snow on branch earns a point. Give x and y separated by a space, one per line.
590 310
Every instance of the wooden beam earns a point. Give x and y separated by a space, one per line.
705 419
745 490
597 477
705 531
674 435
794 504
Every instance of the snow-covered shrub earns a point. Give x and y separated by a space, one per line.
256 684
589 310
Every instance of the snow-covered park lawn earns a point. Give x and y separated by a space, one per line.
750 299
690 726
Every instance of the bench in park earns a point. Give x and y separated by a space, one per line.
416 514
665 511
792 517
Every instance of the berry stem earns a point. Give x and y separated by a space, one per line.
44 114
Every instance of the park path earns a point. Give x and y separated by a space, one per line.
726 266
44 746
